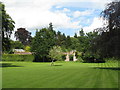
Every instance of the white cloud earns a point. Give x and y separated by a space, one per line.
97 23
66 10
83 13
58 6
36 13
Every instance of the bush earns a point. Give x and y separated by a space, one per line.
16 57
91 58
27 48
80 59
112 60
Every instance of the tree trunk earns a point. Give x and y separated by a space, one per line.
52 63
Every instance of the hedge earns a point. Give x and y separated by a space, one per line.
17 57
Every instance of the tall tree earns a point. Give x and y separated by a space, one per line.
109 40
50 26
91 37
81 32
23 36
59 39
75 44
112 15
63 40
43 41
68 43
7 26
83 40
75 36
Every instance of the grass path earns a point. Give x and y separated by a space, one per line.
63 75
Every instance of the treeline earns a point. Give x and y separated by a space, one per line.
46 38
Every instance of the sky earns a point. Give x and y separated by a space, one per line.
67 16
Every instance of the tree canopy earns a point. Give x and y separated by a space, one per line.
42 43
112 15
108 43
7 26
23 36
56 53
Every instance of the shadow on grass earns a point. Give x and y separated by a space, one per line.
57 65
8 65
108 68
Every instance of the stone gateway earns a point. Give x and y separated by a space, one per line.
70 53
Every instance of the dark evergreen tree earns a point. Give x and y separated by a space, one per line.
43 41
75 36
59 39
63 37
75 45
50 26
68 43
6 26
81 32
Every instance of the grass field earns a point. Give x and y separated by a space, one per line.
62 75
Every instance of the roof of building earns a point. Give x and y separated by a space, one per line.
18 50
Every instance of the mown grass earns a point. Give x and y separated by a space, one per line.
62 75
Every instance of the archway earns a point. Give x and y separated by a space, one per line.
68 58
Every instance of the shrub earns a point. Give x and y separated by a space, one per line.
79 59
91 58
112 60
16 57
27 48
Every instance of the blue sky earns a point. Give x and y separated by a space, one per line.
67 16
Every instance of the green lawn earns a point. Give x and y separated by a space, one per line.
62 75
